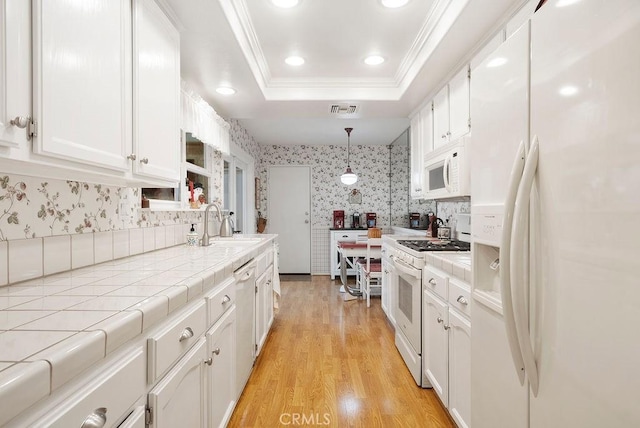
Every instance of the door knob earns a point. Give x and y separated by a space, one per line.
439 320
144 161
132 156
20 121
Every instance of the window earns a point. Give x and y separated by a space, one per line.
238 189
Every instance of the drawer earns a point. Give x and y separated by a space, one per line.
115 391
174 339
349 236
435 281
261 264
460 296
219 300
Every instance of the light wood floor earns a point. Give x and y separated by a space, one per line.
333 363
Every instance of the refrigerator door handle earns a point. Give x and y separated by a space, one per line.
505 265
446 173
518 272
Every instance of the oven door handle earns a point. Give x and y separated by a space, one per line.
408 269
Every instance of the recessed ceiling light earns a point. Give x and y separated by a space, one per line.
225 90
394 3
294 60
285 3
373 60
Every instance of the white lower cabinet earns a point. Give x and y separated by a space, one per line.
179 399
264 307
136 419
446 342
221 377
389 288
459 368
435 354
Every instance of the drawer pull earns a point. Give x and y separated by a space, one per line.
462 300
208 361
216 351
187 333
446 327
97 419
226 299
433 282
439 320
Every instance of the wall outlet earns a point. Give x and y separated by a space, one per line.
124 210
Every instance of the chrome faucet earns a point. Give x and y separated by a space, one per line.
205 233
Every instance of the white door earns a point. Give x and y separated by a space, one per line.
290 216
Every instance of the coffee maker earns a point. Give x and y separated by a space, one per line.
338 219
371 219
355 220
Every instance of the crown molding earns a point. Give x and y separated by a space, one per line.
440 18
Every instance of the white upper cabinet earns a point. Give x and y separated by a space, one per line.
426 116
451 119
82 81
416 157
156 84
90 91
15 71
459 102
441 118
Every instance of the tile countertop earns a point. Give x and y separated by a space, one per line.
54 327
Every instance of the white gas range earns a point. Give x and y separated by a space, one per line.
407 260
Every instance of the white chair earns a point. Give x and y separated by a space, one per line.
370 270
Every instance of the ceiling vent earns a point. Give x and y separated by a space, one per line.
343 109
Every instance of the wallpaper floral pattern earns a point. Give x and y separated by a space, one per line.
327 163
32 207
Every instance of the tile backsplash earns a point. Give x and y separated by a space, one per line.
49 226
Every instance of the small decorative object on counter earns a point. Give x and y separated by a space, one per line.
144 203
192 237
374 232
262 222
371 219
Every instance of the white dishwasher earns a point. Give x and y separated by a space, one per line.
245 278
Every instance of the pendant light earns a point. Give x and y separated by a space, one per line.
349 177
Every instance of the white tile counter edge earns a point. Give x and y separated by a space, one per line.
24 382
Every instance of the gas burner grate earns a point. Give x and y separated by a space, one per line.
426 245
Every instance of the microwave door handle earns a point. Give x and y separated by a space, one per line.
505 264
445 172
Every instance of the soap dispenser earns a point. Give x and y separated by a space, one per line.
192 237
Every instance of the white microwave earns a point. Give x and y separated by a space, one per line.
446 171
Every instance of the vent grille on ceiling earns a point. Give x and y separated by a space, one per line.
343 109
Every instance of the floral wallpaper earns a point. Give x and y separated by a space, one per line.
328 162
33 207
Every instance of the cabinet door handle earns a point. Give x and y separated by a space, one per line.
187 333
226 299
444 135
144 160
439 320
462 300
20 121
208 361
97 419
446 327
345 236
132 156
216 351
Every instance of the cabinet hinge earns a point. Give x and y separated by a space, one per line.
148 415
256 289
469 123
32 129
469 72
256 347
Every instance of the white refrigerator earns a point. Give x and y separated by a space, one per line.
555 176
